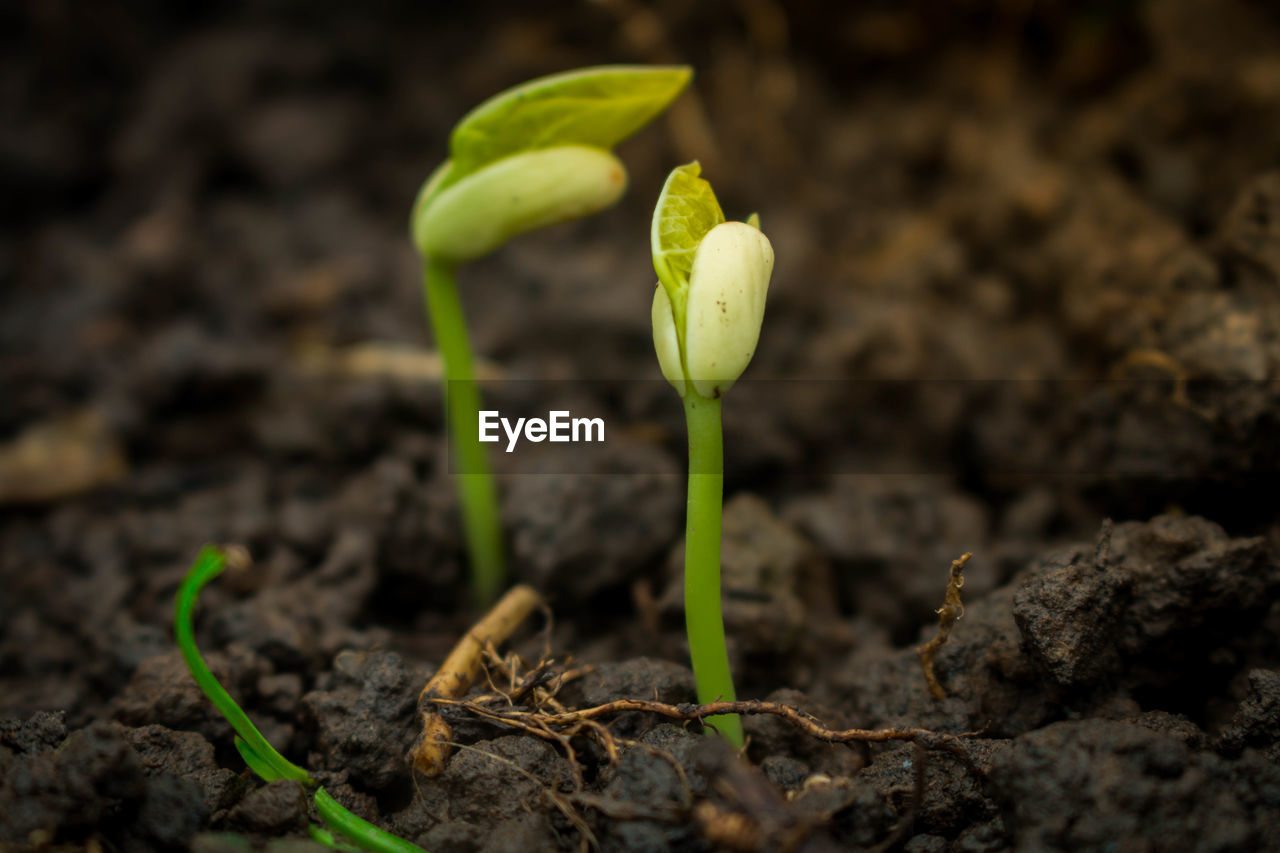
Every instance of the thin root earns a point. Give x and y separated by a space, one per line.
523 719
948 614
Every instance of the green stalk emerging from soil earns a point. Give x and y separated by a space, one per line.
707 310
703 619
352 832
476 491
531 156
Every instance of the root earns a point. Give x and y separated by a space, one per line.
459 670
948 614
742 817
570 722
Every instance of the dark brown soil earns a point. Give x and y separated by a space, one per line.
1026 304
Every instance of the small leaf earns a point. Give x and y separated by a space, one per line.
597 107
358 831
686 211
209 564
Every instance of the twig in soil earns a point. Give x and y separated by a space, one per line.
948 614
460 670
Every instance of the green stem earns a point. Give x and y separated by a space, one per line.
208 566
256 750
703 619
476 492
361 833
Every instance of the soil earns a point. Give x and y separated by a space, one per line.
1026 305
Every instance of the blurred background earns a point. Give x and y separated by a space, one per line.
211 327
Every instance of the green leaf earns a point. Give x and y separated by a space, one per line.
687 209
256 751
597 107
256 763
358 831
209 564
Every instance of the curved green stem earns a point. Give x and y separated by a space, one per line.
703 619
208 566
361 833
476 492
354 833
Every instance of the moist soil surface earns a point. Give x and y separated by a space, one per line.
1026 305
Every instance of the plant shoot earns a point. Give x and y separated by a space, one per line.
531 156
708 306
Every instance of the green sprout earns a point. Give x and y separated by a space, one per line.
713 277
344 831
534 155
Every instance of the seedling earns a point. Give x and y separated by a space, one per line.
344 830
531 156
707 309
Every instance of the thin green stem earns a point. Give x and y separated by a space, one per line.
256 750
359 832
476 491
208 566
703 619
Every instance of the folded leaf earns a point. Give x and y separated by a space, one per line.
686 211
597 107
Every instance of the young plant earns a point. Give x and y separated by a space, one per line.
344 831
707 309
531 156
